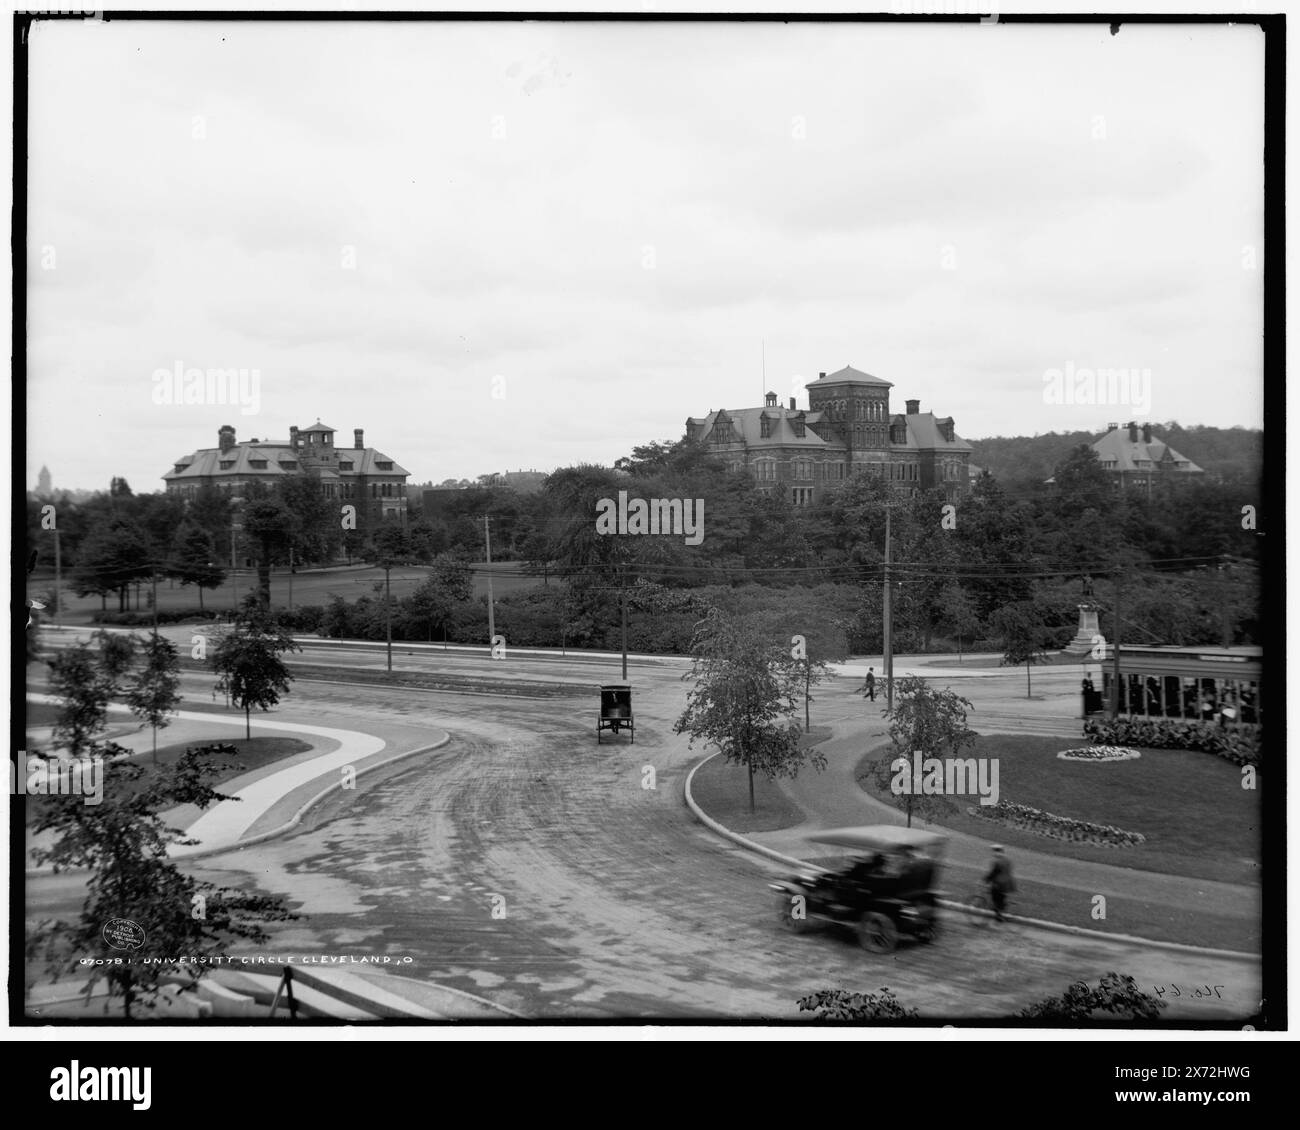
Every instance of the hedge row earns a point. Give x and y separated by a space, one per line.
1241 747
135 619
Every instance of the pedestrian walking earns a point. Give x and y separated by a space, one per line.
870 685
1000 881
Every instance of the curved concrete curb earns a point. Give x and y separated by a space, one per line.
1059 927
288 826
296 818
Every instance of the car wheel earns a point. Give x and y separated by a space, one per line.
877 932
785 911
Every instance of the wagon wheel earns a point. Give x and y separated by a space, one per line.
877 932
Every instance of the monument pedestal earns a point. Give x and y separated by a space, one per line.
1083 641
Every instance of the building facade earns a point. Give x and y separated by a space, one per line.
1138 459
358 475
848 428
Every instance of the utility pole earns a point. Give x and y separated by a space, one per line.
1114 654
888 620
1223 599
622 592
58 575
487 543
388 614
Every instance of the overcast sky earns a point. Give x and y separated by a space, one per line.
497 246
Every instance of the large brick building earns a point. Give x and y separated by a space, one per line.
847 428
360 475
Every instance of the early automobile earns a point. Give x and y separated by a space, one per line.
616 710
883 890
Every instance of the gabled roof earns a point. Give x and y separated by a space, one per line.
208 460
317 427
746 423
1116 447
849 373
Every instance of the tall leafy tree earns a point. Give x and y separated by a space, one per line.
154 693
927 721
194 559
247 660
115 554
122 841
1025 636
80 680
449 585
746 692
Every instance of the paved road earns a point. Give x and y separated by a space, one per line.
610 900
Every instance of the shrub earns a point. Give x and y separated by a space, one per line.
837 1004
1057 827
1115 993
308 618
1241 747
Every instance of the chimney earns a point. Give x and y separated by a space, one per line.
1146 433
226 437
1111 427
1132 432
821 374
293 437
913 407
358 438
792 407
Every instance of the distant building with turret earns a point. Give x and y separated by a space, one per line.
360 475
847 429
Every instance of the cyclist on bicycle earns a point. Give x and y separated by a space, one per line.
1000 881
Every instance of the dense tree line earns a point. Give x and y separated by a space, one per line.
961 575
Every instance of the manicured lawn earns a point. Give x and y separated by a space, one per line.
722 791
1197 819
252 755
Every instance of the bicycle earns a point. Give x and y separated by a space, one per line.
980 912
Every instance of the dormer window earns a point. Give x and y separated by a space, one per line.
226 464
765 428
345 464
288 465
260 464
384 464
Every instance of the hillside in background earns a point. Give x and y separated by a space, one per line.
1024 462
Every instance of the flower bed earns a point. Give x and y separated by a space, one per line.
1041 823
1241 747
1099 753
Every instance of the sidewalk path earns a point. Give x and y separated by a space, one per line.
227 823
833 798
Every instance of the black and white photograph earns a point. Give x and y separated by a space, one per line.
758 523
